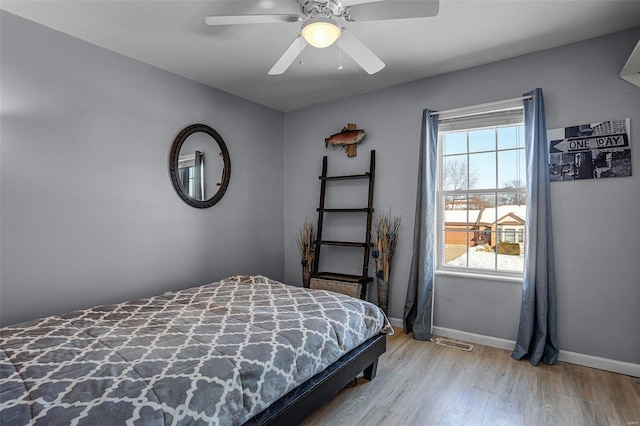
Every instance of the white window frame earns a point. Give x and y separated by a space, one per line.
441 267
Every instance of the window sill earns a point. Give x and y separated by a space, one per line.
479 276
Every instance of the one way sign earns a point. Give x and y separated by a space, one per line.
589 143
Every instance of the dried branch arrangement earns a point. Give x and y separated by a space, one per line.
385 235
305 239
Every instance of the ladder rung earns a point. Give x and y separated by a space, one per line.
342 243
361 210
341 277
359 176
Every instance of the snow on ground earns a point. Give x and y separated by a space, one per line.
479 258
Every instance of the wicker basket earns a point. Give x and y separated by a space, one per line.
350 289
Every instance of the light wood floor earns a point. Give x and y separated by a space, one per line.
421 383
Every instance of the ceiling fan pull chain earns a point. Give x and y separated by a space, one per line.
340 67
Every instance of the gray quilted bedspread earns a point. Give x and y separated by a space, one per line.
214 354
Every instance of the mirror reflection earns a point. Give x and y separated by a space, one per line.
200 166
191 174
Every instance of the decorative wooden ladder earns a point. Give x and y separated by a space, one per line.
364 278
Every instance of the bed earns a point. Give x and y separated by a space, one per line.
243 350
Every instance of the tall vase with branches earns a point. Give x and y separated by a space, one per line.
305 239
385 236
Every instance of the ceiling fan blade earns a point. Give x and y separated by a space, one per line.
346 3
288 56
250 19
360 53
393 9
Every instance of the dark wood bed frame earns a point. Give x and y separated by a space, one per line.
298 404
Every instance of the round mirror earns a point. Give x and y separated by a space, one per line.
199 169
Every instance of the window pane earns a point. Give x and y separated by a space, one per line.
482 140
510 263
483 236
483 256
510 232
456 219
511 169
455 173
511 255
456 224
458 203
512 203
480 202
510 137
454 143
484 220
482 170
455 248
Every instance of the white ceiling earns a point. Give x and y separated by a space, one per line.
172 35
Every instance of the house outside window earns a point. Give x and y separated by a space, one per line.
482 193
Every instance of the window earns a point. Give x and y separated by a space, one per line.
508 234
191 174
482 193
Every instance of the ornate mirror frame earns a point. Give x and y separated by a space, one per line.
173 165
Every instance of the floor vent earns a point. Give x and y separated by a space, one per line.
453 344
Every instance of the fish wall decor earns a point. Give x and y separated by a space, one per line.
348 138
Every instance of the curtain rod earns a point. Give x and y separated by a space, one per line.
474 107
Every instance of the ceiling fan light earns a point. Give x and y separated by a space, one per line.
320 32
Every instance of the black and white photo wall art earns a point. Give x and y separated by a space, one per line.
590 151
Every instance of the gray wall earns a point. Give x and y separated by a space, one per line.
596 228
89 215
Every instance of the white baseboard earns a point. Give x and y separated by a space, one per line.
396 322
628 368
621 367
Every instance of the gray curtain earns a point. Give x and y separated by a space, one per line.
198 176
183 173
419 302
537 336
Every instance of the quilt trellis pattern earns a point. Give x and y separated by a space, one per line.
214 354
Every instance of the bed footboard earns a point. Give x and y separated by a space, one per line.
303 400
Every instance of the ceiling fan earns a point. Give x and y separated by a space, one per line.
320 26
